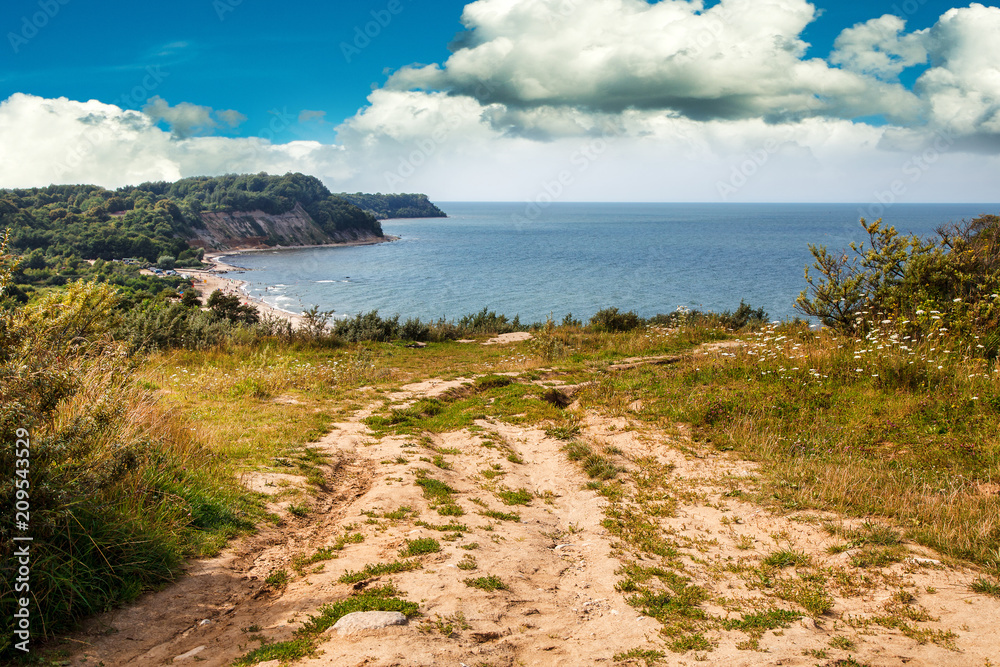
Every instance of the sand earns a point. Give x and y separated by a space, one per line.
559 561
214 278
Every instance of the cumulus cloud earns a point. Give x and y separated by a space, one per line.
737 59
186 119
59 140
603 99
962 88
878 48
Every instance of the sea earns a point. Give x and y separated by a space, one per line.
576 258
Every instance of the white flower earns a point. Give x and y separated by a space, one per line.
921 312
956 301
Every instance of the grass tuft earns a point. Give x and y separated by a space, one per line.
488 583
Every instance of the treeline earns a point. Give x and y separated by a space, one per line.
155 219
395 206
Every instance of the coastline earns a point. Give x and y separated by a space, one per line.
213 278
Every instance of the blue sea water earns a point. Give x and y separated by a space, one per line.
578 258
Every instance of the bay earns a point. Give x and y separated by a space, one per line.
577 258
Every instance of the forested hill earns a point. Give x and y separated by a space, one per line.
160 218
395 206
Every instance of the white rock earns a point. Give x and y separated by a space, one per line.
207 621
368 620
190 654
924 561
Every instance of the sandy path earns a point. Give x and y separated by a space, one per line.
559 562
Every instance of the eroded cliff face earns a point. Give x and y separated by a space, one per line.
242 230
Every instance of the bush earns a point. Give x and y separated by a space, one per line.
744 317
949 282
414 329
104 458
367 327
611 320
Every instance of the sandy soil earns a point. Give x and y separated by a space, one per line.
559 561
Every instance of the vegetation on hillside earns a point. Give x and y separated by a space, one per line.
153 220
384 206
892 413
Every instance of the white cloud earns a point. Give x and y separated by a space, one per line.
600 100
46 141
738 59
878 48
962 88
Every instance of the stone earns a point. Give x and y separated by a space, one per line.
190 654
368 620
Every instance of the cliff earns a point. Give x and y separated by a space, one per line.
241 230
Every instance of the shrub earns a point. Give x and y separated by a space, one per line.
368 327
103 459
611 320
950 281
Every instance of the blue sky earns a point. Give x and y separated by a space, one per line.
217 70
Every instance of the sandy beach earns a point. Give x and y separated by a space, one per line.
214 278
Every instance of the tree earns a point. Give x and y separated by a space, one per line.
228 306
950 281
166 262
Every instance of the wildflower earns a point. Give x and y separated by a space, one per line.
956 300
921 312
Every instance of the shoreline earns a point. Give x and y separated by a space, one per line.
213 278
213 256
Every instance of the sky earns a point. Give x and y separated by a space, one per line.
512 100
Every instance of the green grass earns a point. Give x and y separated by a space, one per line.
400 514
488 583
596 466
909 445
501 516
648 656
287 651
382 598
444 527
277 579
986 587
419 547
757 624
786 558
377 570
300 562
515 497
